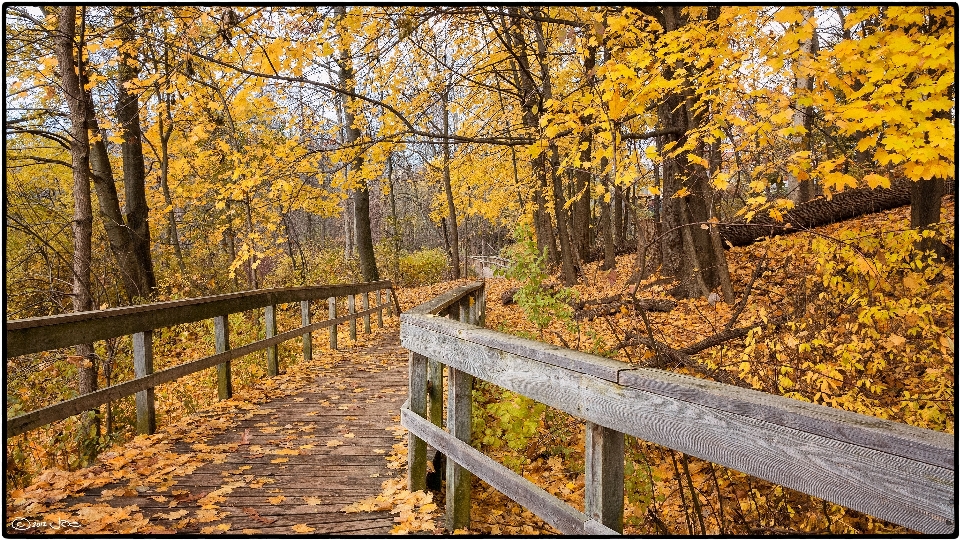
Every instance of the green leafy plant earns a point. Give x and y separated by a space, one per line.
541 304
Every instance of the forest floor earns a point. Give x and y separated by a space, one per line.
238 466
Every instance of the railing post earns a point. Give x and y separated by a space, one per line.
352 309
366 318
460 422
270 322
435 391
417 448
603 490
482 306
143 366
380 310
307 338
221 334
474 302
464 310
390 307
332 306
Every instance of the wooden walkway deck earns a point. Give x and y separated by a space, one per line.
293 463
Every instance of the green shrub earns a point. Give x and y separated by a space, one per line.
540 304
422 268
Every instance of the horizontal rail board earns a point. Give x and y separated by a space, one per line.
548 507
25 336
445 300
65 409
897 488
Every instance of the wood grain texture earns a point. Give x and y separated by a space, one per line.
380 310
896 488
270 328
143 366
351 310
221 333
903 440
314 484
581 362
460 422
547 507
365 297
332 311
417 402
307 338
40 417
445 300
603 485
37 334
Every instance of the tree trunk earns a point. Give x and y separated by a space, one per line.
166 130
925 197
580 211
532 107
606 224
803 82
361 204
845 205
71 68
568 271
448 189
689 254
131 150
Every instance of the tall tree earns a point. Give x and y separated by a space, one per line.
69 51
131 150
361 203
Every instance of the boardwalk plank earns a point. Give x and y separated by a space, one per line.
336 475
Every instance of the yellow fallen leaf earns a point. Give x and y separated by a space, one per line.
280 460
313 501
276 500
349 436
334 443
173 515
303 528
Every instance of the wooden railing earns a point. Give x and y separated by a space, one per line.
26 336
893 471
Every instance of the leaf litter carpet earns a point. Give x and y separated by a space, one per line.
282 457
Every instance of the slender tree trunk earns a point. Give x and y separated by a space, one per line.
606 223
71 68
166 130
567 260
448 189
394 220
131 150
796 190
581 216
361 206
532 107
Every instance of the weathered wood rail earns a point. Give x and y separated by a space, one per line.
893 471
26 336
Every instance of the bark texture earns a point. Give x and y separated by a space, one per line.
844 205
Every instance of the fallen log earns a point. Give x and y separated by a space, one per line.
662 305
845 205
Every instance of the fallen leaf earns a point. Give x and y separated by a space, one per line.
302 528
276 500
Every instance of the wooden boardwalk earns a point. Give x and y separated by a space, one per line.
299 461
